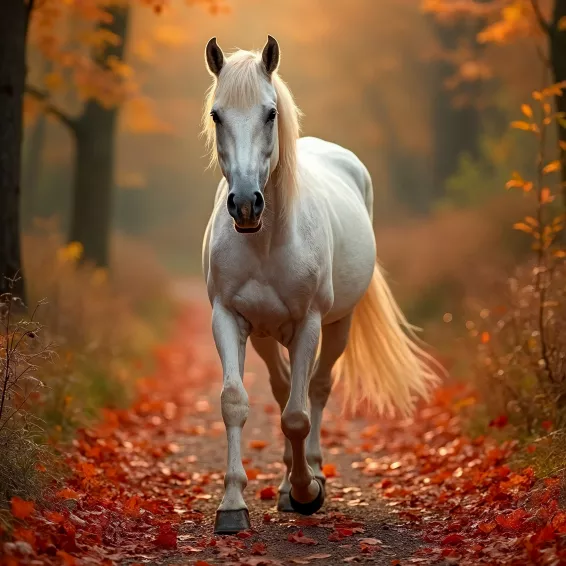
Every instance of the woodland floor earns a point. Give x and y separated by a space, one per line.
145 483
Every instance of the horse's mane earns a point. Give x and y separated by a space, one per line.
239 85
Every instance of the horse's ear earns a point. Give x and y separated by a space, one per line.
214 57
270 55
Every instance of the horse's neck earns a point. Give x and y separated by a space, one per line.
276 222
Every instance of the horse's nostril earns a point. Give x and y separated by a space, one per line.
232 209
258 204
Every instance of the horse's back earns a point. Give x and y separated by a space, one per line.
339 185
333 160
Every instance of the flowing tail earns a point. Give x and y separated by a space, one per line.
383 365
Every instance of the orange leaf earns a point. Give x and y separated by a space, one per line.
527 110
21 509
54 517
258 444
485 337
68 493
252 473
546 196
523 227
520 125
487 527
552 166
329 470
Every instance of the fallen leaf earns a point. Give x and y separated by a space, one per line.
21 509
167 537
259 549
268 493
68 559
300 538
453 539
513 520
67 493
258 444
329 470
252 473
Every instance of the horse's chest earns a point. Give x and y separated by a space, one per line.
273 302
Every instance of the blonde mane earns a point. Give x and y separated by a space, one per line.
239 85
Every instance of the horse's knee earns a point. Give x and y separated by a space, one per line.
295 424
235 404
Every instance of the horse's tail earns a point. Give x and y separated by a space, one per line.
383 364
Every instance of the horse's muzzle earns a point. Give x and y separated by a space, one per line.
246 210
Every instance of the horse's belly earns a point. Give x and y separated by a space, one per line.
264 309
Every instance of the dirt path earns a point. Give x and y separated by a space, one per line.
352 502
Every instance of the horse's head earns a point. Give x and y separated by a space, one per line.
243 106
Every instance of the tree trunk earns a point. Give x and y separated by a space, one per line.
94 161
558 61
94 165
31 174
456 129
13 27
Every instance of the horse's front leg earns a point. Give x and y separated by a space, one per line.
307 493
230 335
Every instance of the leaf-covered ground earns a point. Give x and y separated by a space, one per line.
145 484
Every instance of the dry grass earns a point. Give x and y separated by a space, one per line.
90 337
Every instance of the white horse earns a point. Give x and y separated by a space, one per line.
289 258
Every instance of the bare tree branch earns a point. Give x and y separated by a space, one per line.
63 117
546 27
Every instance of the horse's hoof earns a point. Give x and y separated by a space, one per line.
311 507
230 522
284 503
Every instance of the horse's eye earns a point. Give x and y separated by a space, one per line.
272 114
215 117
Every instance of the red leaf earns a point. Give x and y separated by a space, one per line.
259 548
267 493
547 425
244 534
300 538
68 559
258 444
21 509
499 422
167 537
513 520
452 539
544 535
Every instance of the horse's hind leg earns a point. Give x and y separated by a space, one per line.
230 334
334 340
279 377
